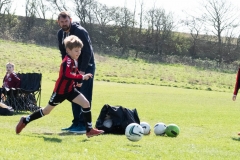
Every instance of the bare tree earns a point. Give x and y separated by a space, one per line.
30 8
160 28
60 5
103 14
137 38
42 8
141 16
195 26
123 23
4 5
219 16
7 18
83 10
102 17
134 15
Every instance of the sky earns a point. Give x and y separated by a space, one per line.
169 5
178 8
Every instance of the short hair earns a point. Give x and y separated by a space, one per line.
10 63
72 42
64 14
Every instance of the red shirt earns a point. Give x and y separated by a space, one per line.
11 81
68 75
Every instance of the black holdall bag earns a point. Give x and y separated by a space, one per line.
120 116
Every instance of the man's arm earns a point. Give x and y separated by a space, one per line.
61 44
86 52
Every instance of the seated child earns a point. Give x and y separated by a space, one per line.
11 80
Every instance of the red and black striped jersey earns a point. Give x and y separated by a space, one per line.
68 75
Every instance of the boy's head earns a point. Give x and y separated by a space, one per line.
64 20
73 46
9 67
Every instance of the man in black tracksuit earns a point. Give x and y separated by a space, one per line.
85 64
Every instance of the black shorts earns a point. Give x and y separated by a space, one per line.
59 98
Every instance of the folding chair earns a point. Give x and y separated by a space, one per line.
28 96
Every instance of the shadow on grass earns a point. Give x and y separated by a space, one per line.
54 139
46 136
57 140
133 145
85 140
60 133
49 139
236 139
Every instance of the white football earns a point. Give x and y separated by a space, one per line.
108 123
146 128
134 132
160 128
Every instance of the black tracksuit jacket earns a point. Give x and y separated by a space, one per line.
87 55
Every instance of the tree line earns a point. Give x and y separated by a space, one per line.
148 34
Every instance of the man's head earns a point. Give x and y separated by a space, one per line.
73 46
9 67
64 21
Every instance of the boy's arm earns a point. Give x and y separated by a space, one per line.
67 73
237 85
